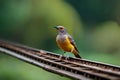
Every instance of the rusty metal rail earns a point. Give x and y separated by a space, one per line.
79 69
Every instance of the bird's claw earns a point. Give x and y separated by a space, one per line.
60 57
67 58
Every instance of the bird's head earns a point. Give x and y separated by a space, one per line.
61 29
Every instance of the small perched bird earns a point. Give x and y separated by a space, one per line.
65 41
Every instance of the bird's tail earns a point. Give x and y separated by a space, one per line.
76 53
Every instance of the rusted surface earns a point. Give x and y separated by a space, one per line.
79 69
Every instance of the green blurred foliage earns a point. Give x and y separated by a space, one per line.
14 69
94 24
31 21
106 37
97 11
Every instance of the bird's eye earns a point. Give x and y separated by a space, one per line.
61 28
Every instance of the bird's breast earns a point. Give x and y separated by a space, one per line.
64 43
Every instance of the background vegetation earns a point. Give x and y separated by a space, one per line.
94 24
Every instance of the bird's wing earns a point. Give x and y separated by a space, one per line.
72 42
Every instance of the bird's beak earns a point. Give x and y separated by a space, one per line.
56 27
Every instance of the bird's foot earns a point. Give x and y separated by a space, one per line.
67 58
60 57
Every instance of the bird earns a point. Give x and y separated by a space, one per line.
65 42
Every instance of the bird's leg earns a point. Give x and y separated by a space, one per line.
61 56
71 52
67 57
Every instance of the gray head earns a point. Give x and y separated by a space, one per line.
61 29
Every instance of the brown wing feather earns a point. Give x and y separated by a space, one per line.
72 42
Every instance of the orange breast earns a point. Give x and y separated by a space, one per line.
65 45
